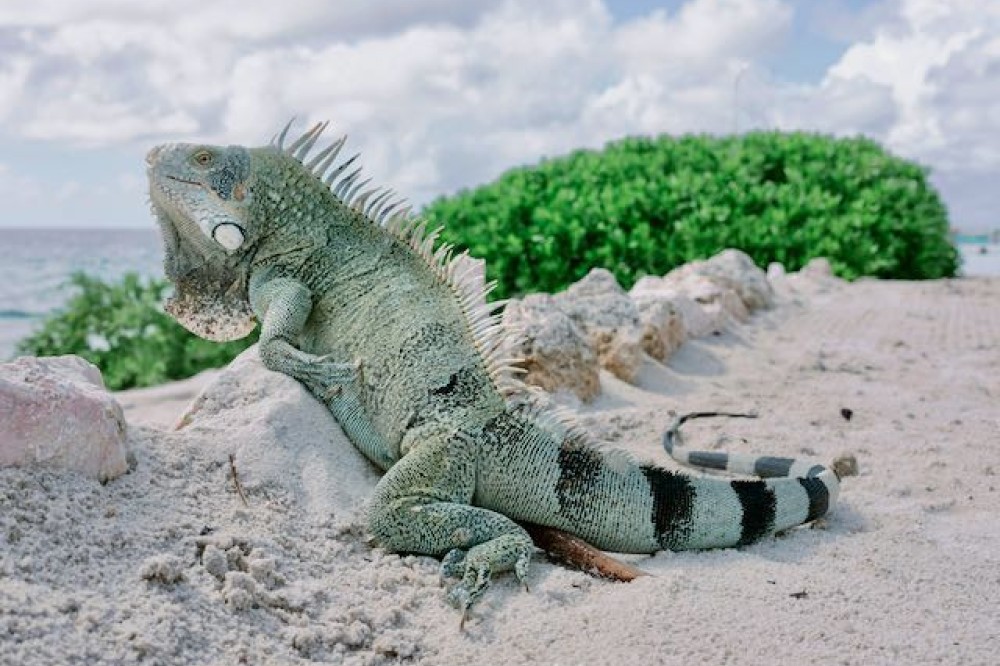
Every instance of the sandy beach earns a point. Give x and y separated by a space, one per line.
168 565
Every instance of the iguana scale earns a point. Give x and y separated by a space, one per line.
357 302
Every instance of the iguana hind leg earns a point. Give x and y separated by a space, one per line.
422 506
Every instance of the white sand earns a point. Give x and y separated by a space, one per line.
905 571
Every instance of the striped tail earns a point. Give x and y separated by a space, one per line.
791 492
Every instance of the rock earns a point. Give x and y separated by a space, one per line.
726 287
845 465
696 319
55 411
717 298
663 329
817 267
778 277
815 277
609 319
281 440
736 270
556 354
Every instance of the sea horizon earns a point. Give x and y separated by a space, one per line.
36 265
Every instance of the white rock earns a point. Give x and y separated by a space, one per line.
281 438
818 267
609 319
738 271
717 298
698 320
556 354
815 277
55 411
663 329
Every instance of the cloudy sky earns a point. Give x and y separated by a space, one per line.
445 94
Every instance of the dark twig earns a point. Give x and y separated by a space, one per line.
571 549
672 436
236 479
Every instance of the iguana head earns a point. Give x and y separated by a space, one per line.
202 198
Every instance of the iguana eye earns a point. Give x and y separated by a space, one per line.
203 158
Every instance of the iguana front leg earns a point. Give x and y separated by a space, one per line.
422 506
283 306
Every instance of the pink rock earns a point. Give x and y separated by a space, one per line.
55 411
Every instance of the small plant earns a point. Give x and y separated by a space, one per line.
645 205
122 329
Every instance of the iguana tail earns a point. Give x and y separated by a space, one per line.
559 479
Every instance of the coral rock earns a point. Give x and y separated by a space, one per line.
696 319
736 270
56 412
609 319
716 296
663 329
818 267
555 353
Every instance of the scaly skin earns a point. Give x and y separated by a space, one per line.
354 303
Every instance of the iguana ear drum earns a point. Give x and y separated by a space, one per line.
228 235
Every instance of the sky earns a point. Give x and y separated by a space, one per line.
440 95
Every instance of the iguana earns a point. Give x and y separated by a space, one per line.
357 302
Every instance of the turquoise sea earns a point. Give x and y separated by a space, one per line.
36 263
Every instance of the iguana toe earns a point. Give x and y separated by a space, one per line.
453 564
478 564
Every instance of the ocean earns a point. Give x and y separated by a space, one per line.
35 265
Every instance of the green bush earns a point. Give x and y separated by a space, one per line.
645 205
122 329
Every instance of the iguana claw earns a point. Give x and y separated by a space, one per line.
477 565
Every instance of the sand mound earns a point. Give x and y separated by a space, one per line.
166 565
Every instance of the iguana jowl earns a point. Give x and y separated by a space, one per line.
356 302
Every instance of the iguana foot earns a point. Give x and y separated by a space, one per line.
334 376
326 377
476 566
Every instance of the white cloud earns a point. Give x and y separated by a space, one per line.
939 60
908 56
253 20
13 76
105 71
703 34
446 93
844 106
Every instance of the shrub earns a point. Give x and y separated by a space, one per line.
645 205
122 329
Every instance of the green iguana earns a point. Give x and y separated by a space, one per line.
389 331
